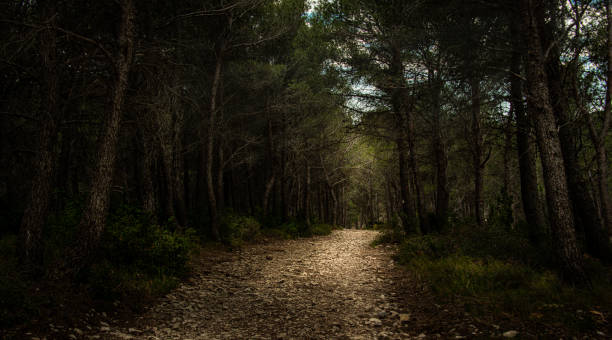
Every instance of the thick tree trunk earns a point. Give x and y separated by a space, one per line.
93 219
532 205
602 157
587 217
35 213
540 108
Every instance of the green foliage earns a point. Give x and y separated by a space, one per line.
430 247
139 258
298 228
497 271
321 229
237 229
501 210
391 232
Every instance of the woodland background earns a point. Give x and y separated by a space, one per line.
134 131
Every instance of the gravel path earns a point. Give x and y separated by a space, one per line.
332 287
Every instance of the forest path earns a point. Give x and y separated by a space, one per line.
331 287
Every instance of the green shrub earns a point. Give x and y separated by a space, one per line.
236 229
497 271
391 232
130 239
139 258
321 229
428 246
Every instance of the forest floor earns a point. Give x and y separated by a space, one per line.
330 287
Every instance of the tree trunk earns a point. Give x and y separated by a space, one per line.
306 199
93 219
148 190
441 159
532 205
177 168
210 136
587 219
414 169
35 213
540 108
602 158
477 154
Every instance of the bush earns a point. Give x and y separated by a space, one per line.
497 271
139 258
391 232
236 229
321 229
430 247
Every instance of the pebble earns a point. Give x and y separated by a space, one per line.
510 334
404 318
375 322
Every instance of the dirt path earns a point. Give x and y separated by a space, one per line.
332 287
321 288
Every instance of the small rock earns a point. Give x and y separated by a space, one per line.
122 336
78 331
72 336
422 336
104 328
382 314
269 257
600 333
103 323
510 334
375 322
404 318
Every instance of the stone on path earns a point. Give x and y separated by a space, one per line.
510 334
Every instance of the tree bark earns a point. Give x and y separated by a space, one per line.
93 219
587 219
148 189
540 108
33 220
532 205
440 158
477 152
210 136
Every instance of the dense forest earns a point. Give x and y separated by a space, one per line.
133 132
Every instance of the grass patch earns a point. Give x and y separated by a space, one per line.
495 273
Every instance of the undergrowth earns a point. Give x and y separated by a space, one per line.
137 260
237 230
496 272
